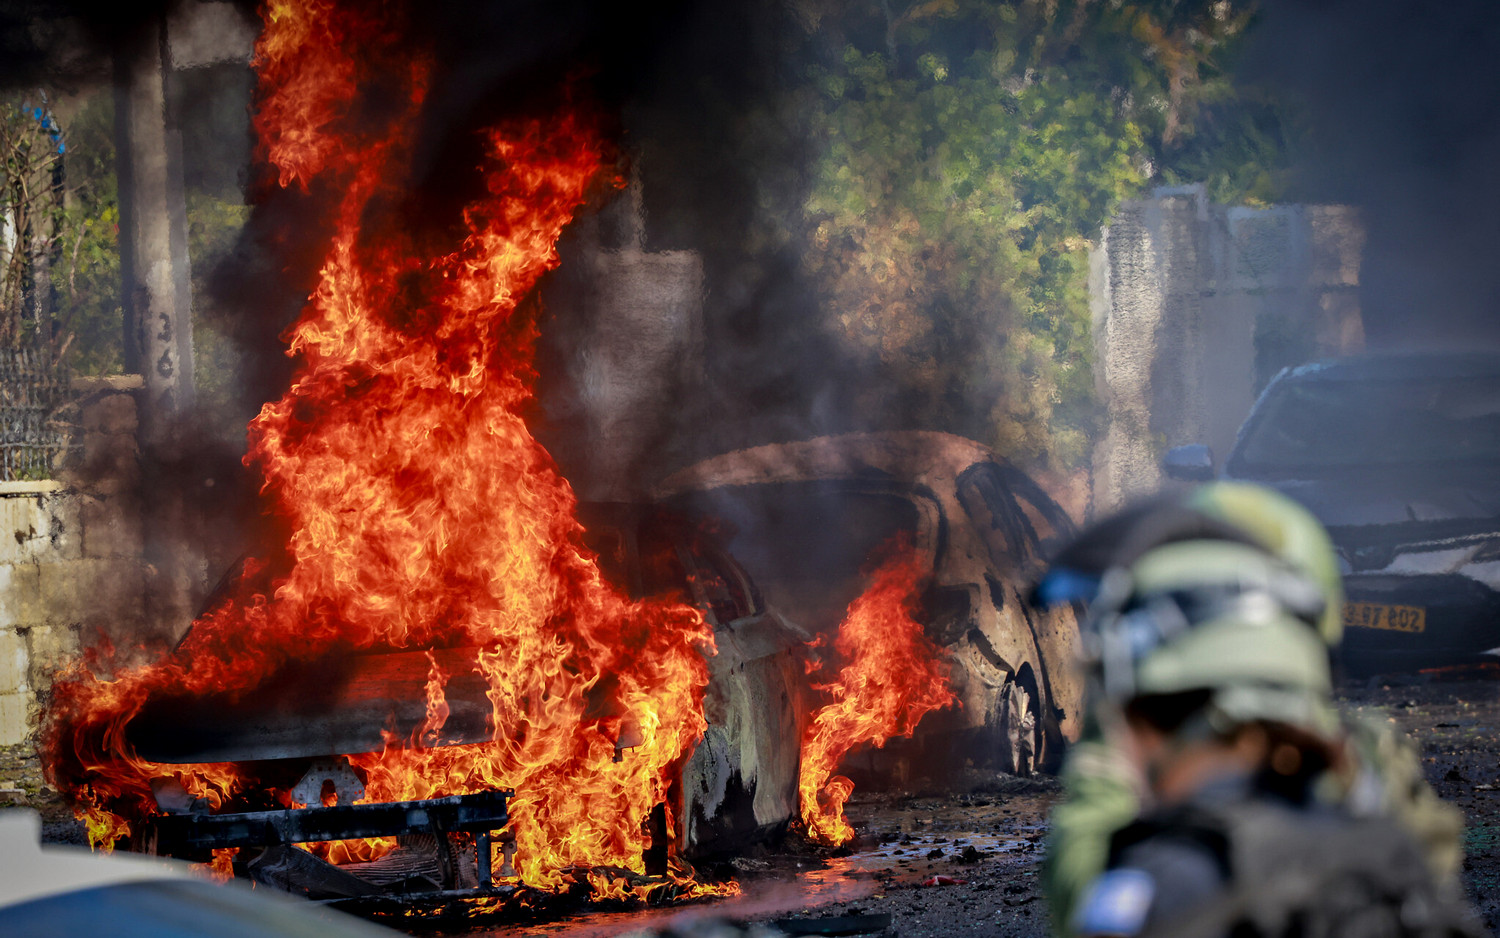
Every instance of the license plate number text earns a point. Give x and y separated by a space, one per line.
1382 616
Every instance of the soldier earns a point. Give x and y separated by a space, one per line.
1217 788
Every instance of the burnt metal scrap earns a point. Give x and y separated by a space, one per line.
186 835
427 860
296 871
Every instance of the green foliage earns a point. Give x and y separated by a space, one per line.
30 211
86 278
59 285
86 330
950 220
970 151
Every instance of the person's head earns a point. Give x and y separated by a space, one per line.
1179 744
1208 634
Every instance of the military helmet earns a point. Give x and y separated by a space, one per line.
1289 532
1230 588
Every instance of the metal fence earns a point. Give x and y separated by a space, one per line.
34 438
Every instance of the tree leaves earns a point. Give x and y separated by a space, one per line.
969 159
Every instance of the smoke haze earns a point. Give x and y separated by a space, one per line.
1397 105
1402 104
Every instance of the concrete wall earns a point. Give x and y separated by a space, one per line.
1195 307
70 552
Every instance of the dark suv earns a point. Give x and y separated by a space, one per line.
1399 455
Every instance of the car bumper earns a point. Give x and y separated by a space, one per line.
1462 621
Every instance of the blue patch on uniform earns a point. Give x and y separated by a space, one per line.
1062 585
1116 904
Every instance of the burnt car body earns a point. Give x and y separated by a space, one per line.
1399 456
805 518
738 786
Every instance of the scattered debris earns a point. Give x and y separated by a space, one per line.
941 880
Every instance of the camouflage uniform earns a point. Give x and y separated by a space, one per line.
1277 672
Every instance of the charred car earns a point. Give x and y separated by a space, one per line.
740 785
806 517
1399 456
296 729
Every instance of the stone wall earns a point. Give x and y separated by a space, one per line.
1196 306
70 552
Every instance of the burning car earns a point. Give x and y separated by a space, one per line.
296 731
428 577
740 785
1399 455
426 678
806 517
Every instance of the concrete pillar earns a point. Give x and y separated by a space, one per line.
157 298
157 276
153 234
1196 306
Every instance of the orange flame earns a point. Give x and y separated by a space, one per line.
422 512
222 866
437 705
895 676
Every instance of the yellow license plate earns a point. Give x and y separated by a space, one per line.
1382 616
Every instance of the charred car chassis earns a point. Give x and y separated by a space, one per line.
194 836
